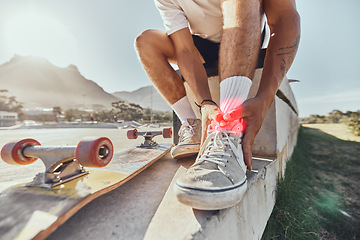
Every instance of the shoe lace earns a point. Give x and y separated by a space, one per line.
186 132
216 147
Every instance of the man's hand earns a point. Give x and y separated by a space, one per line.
209 112
253 111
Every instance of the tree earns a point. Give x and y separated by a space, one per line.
10 104
128 112
57 110
335 116
354 122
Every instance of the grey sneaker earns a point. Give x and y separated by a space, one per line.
217 179
189 139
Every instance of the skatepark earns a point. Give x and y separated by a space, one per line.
61 64
146 207
136 209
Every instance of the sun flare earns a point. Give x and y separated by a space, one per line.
41 36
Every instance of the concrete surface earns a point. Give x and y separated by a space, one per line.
124 213
246 220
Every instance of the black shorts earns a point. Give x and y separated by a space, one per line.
209 51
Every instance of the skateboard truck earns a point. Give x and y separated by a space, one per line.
149 135
62 164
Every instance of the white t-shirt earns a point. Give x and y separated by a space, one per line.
203 17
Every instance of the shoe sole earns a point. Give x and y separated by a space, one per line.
210 200
184 155
184 152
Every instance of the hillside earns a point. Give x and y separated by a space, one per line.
146 97
319 198
36 82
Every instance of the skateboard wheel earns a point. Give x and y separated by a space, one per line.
94 152
167 132
132 134
12 153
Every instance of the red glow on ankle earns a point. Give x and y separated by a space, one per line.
229 121
226 103
236 126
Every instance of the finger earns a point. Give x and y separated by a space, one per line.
219 118
223 123
203 131
205 125
247 156
234 114
247 144
243 123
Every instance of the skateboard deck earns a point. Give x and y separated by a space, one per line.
34 208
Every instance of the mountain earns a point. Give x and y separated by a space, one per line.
36 82
146 97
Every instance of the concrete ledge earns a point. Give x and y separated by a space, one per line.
274 143
247 220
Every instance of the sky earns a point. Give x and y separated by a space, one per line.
98 37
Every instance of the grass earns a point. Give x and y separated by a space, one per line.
319 197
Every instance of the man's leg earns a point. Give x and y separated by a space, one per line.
240 44
238 55
218 178
239 50
156 52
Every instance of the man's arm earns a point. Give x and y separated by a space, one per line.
187 56
191 66
284 22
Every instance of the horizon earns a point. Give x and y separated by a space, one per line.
70 65
102 47
131 91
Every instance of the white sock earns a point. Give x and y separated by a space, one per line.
183 109
233 92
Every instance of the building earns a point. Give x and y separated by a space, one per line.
8 119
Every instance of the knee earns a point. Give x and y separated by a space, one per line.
143 40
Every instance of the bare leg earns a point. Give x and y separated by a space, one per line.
156 51
240 43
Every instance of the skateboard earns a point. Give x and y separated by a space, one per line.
74 176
